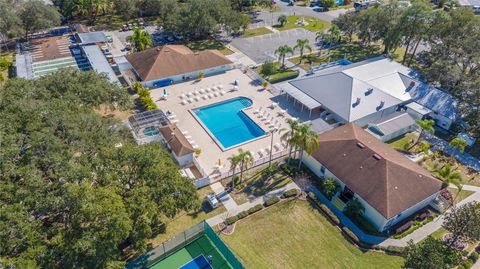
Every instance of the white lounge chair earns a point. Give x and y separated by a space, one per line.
196 92
185 132
258 110
216 94
189 94
282 112
210 95
195 146
219 87
202 91
196 98
174 121
190 100
207 90
222 92
204 97
182 96
184 102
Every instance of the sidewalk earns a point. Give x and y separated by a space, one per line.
232 207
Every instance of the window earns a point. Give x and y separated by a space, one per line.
322 170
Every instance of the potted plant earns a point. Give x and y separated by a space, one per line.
197 152
200 75
264 84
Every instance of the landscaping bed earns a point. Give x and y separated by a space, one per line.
258 184
313 24
256 32
277 73
291 234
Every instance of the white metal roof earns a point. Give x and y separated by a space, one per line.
99 63
300 96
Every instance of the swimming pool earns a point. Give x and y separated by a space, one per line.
228 123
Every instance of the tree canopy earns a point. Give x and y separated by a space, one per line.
69 197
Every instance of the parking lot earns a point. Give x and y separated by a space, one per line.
262 48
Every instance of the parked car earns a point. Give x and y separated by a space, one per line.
212 200
320 9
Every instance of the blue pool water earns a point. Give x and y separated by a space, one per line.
227 122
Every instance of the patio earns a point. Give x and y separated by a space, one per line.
178 100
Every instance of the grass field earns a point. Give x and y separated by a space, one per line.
185 220
208 44
295 235
313 24
256 32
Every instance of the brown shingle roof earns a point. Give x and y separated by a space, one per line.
179 144
171 60
383 177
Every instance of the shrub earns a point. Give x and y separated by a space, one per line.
407 225
467 264
267 69
330 187
312 196
290 193
271 201
231 220
283 76
254 209
330 214
242 214
354 208
474 257
351 234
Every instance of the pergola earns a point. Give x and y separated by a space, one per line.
299 96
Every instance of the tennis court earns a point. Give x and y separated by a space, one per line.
194 256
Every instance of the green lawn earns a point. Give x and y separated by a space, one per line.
462 195
400 143
279 75
293 234
313 24
353 52
256 186
185 220
208 44
256 32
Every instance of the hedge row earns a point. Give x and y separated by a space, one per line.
254 209
324 208
271 201
144 96
389 249
279 77
290 193
469 262
352 235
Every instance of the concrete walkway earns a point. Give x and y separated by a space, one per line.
234 210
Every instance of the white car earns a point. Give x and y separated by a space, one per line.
212 200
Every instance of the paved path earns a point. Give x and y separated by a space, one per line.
232 211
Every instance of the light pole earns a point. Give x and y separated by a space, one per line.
272 131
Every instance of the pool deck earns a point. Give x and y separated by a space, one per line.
210 151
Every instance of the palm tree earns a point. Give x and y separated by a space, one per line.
289 134
322 37
307 140
334 32
301 45
234 162
460 144
246 160
282 52
450 176
426 126
141 40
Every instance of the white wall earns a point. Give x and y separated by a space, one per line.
184 160
375 116
372 214
441 121
192 75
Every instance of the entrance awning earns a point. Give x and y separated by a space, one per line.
301 97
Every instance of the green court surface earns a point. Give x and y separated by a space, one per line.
200 246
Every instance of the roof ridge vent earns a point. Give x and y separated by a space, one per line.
360 145
377 157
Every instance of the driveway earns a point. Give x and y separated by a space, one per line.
262 48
